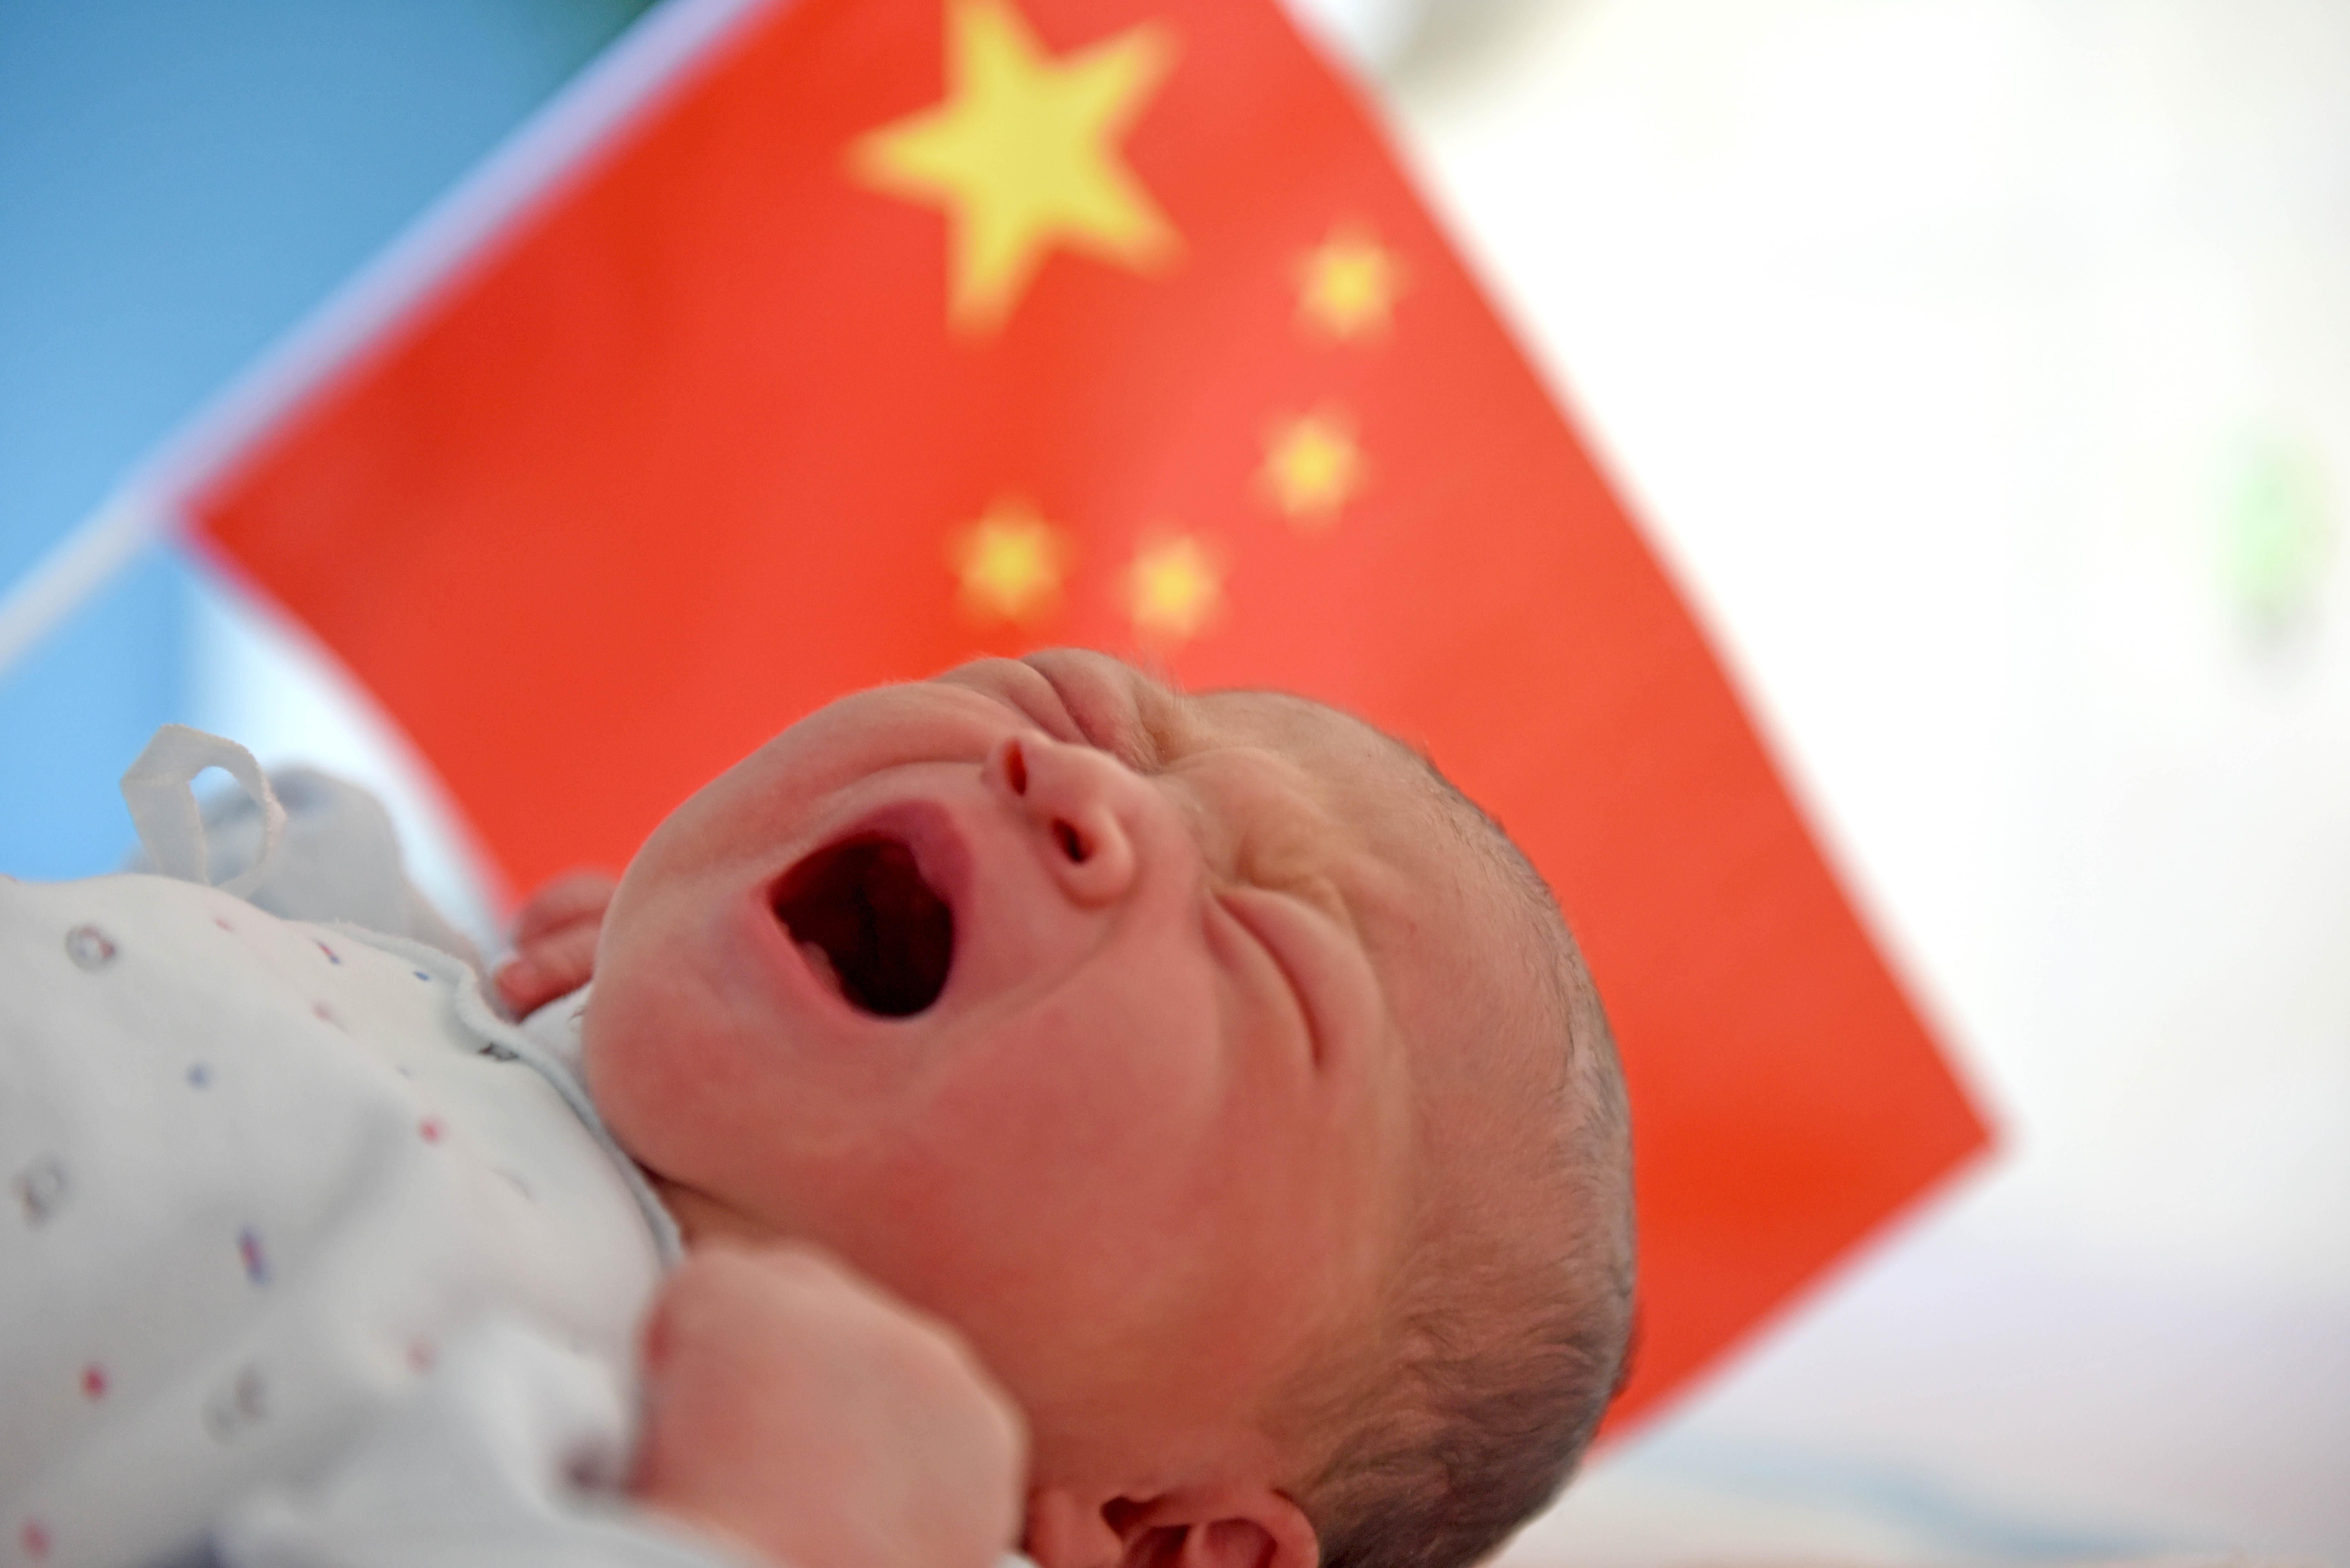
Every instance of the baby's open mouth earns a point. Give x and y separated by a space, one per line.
867 919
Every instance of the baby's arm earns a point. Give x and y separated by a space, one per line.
795 1408
797 1418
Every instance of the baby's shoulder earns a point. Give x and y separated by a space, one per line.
130 899
134 930
139 957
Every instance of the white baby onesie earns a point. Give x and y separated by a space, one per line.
306 1256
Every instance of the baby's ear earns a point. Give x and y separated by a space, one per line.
1244 1542
1235 1526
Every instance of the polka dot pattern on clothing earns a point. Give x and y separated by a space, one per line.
231 1412
89 948
255 1257
40 1189
281 1168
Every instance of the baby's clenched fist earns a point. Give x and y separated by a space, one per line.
801 1410
555 940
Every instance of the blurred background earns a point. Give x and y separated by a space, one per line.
1981 370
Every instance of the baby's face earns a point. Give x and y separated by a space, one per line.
1072 1009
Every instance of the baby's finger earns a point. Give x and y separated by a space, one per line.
544 967
573 896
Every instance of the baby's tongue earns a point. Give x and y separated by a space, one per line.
821 961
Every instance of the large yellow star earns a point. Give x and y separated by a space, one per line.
1312 467
1174 588
1347 285
1010 563
1023 154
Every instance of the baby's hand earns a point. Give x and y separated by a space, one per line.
799 1410
555 940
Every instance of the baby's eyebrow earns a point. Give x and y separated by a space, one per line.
1162 723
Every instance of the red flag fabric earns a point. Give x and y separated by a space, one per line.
889 332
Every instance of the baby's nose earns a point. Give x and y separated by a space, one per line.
1067 796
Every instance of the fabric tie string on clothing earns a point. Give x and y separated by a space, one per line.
158 787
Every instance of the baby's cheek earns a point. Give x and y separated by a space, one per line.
1164 1026
1066 1111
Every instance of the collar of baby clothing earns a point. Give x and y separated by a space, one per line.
559 1029
550 1042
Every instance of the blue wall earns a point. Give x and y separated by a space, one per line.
180 180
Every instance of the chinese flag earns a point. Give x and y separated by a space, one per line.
881 333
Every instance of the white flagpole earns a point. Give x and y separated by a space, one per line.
75 568
641 65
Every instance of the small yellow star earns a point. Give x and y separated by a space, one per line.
1023 154
1347 285
1011 563
1312 467
1174 588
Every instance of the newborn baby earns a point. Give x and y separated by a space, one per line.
1225 1080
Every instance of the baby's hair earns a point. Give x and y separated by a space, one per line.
1498 1351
